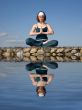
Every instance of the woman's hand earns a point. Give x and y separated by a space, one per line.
41 31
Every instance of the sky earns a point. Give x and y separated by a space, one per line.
18 16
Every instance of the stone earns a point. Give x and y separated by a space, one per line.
26 54
59 58
33 58
53 50
26 50
67 50
68 54
73 57
60 50
77 54
81 51
33 50
40 51
26 59
6 54
40 57
54 54
60 54
47 54
46 49
73 51
20 54
53 58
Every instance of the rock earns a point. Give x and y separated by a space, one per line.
33 58
20 54
53 58
77 54
47 49
40 51
81 58
73 57
47 54
26 59
33 50
67 50
59 58
8 50
53 50
81 51
60 54
73 51
67 59
40 57
26 50
53 54
60 50
6 54
26 54
68 54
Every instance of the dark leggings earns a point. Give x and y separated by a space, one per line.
34 42
50 64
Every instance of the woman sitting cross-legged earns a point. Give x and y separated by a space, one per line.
41 30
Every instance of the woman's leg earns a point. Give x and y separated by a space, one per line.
31 66
51 64
33 42
51 43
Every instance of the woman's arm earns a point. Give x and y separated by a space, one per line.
50 77
50 30
33 31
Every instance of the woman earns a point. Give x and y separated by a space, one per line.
41 30
40 80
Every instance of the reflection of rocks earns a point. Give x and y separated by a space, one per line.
40 53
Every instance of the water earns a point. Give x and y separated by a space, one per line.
18 93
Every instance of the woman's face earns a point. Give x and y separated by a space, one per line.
41 18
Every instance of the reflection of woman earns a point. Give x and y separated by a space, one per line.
40 80
41 30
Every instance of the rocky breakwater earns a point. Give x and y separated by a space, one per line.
59 54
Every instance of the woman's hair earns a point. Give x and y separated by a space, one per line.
41 89
38 17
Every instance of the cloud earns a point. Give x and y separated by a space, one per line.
3 34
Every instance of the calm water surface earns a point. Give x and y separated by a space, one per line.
18 93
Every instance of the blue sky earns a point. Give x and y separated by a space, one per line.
18 16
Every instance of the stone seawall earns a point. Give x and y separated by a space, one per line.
58 54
